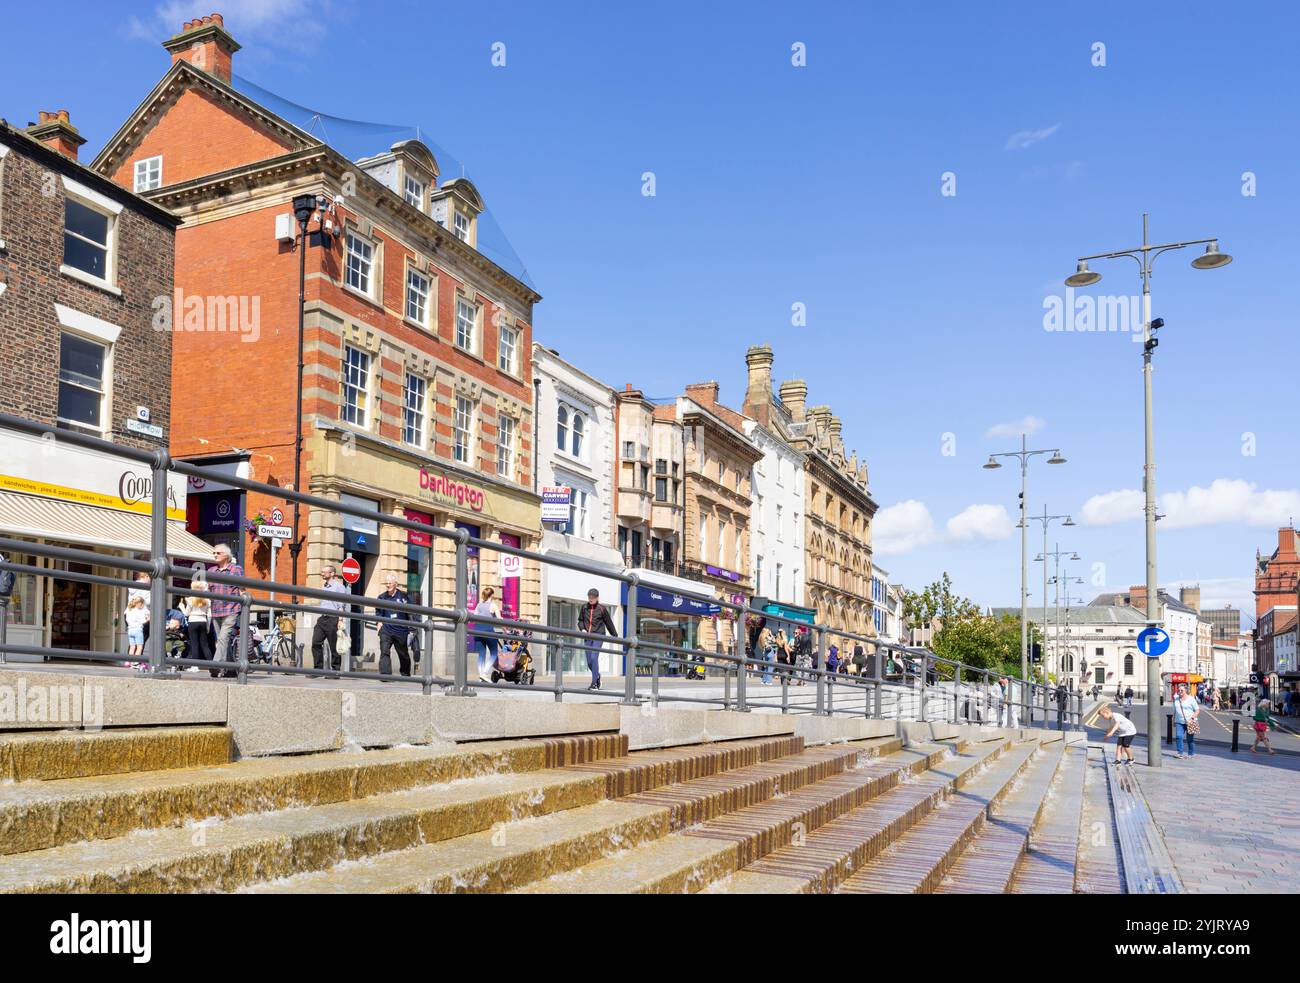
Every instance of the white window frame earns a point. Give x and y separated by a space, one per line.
562 427
466 233
105 383
413 191
510 365
457 430
368 291
360 407
143 169
578 429
111 210
507 431
464 305
424 297
415 402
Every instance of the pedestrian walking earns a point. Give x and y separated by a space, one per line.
1128 698
198 620
802 653
1062 701
396 626
833 659
784 654
1263 721
1186 725
486 641
1123 730
136 617
326 630
767 647
594 619
1217 699
224 613
1010 705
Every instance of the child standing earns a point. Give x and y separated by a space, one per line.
1263 721
1124 730
198 614
136 616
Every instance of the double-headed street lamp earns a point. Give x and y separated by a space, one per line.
1145 256
1023 455
1047 520
1056 579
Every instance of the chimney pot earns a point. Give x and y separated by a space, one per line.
56 131
205 44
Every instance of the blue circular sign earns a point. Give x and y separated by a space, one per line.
1153 641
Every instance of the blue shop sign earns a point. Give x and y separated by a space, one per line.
661 600
218 512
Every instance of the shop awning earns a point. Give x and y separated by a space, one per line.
87 525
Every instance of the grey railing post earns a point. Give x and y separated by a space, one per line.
158 555
654 679
956 690
820 663
924 675
245 634
558 653
631 642
4 629
742 671
460 675
879 680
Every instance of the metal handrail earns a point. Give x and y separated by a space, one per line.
737 662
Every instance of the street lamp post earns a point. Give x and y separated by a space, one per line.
1047 520
1145 256
1023 455
304 207
1056 579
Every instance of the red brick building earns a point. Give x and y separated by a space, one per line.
1277 575
417 389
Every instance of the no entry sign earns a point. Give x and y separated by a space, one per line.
350 570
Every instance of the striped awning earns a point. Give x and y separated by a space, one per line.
88 525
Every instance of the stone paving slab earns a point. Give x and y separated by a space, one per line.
1231 821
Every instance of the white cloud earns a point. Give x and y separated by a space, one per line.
1028 426
268 20
1225 500
1027 138
902 527
980 523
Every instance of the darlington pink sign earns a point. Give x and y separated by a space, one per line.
451 489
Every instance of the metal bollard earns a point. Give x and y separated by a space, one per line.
1169 729
1236 725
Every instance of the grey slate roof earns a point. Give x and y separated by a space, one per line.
1090 614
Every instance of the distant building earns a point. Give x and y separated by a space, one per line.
1225 623
1180 620
1096 646
1277 575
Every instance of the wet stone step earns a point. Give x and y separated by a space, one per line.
987 864
702 854
831 853
52 755
917 860
1048 866
516 853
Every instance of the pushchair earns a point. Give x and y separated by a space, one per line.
177 644
514 663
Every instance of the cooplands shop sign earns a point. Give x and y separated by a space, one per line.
446 488
51 468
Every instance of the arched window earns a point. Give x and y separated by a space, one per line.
562 429
1128 664
577 435
1069 662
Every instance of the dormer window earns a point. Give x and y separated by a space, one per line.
414 193
461 226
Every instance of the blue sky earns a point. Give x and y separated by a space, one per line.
821 185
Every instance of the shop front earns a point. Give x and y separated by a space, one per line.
59 495
670 618
214 510
396 482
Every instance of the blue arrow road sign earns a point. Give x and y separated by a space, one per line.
1153 641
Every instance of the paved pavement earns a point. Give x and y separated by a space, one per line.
1231 821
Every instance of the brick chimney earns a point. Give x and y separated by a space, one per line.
1191 596
205 44
703 392
56 131
793 396
1137 597
758 396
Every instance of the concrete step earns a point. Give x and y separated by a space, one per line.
1048 865
53 754
701 855
278 841
830 853
987 865
916 862
516 853
1099 868
41 815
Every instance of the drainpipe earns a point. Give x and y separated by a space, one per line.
537 403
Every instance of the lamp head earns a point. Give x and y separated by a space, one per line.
993 463
1069 521
303 208
1211 259
1083 277
1056 458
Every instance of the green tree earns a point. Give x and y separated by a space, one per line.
962 632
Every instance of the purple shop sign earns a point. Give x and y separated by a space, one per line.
724 574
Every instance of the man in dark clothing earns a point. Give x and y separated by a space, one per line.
594 619
327 625
393 632
1062 701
